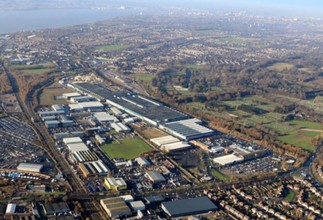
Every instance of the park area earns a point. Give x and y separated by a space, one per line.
126 149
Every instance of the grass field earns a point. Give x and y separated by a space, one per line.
150 133
110 47
126 149
301 139
290 196
143 77
290 132
35 71
216 173
47 97
280 66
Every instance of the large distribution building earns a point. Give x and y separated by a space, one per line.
30 167
186 207
115 207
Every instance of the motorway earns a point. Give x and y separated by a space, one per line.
76 185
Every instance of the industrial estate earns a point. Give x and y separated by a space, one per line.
210 116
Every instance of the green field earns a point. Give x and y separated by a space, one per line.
290 196
126 149
281 66
290 132
301 139
110 47
143 77
35 71
216 173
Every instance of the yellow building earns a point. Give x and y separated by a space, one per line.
115 183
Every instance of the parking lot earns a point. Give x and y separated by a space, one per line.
17 128
265 164
15 151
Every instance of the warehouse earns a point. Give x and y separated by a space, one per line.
75 147
52 124
227 159
186 207
115 207
72 140
93 168
11 209
58 108
177 146
142 161
100 140
93 106
71 95
56 208
84 156
49 118
155 177
137 205
119 127
30 167
75 107
164 140
188 129
50 113
80 99
116 111
115 183
104 117
65 122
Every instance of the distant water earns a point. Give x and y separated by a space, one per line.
13 21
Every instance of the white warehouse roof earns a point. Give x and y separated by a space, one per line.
177 146
227 159
70 95
31 167
77 147
164 140
72 140
105 117
91 104
187 129
11 208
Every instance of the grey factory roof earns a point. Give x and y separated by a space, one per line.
186 207
155 176
146 107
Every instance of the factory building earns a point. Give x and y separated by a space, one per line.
142 161
100 140
84 156
76 147
155 177
177 146
115 207
137 205
164 140
72 140
116 111
58 108
30 167
104 117
71 95
119 127
186 207
188 129
80 99
94 168
52 124
227 159
75 107
50 113
92 106
115 183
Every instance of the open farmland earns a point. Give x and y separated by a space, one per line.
126 149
